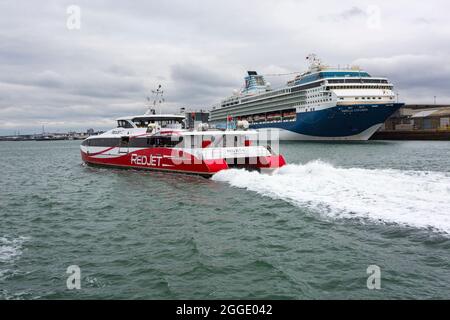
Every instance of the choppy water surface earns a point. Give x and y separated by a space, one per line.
309 231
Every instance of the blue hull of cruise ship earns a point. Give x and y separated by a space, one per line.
346 122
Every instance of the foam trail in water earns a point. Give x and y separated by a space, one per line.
415 198
10 249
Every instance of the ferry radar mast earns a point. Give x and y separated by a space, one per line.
157 100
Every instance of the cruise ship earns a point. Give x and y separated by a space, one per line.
323 103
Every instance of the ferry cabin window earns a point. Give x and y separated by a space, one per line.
154 142
167 123
123 124
103 142
141 123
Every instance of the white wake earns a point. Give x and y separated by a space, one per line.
414 198
10 250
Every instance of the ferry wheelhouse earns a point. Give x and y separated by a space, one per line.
160 142
323 103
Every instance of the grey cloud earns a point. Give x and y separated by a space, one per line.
351 13
417 77
121 70
199 51
423 20
199 86
46 79
200 75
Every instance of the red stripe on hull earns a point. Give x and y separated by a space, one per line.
159 159
166 159
101 152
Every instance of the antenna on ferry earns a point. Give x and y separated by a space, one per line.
158 97
148 105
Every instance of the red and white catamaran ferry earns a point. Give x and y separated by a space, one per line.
160 142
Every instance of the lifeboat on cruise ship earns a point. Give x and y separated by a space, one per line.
160 142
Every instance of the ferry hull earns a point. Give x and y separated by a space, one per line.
164 159
343 122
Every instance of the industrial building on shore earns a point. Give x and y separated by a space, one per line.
417 122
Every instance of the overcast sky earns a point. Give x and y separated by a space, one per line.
54 74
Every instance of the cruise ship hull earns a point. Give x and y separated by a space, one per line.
343 122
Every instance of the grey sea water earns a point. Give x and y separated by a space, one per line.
307 232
